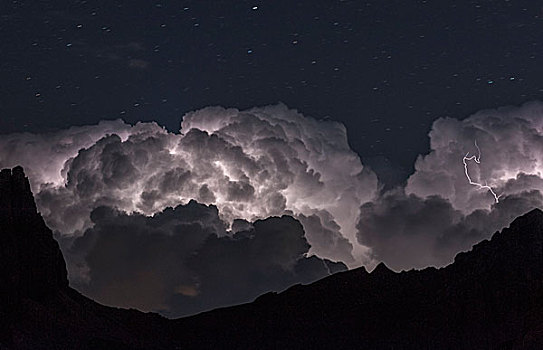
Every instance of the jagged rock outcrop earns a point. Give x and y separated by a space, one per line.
31 263
490 298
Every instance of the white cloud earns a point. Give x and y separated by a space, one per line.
439 213
511 144
251 164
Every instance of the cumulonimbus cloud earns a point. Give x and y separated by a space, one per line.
264 162
511 144
250 164
439 212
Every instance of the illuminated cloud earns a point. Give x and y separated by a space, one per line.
511 144
250 164
439 212
44 155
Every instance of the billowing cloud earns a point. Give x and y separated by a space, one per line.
182 261
439 212
251 164
99 187
44 155
511 143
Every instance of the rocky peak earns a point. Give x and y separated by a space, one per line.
16 200
31 260
382 270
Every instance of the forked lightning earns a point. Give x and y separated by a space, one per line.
477 159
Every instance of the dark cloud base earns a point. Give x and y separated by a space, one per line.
181 261
407 231
439 213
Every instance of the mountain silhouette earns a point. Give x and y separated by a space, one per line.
490 298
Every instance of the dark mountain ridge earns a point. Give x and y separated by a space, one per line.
490 298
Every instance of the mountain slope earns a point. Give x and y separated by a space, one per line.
489 298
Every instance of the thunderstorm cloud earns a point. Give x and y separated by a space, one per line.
439 213
104 189
251 164
242 202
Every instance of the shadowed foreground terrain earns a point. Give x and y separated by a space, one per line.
489 298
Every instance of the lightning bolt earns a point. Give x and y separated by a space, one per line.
477 159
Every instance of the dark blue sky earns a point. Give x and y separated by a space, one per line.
386 69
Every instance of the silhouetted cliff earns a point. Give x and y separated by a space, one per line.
489 298
32 263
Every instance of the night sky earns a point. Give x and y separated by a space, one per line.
386 69
316 136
